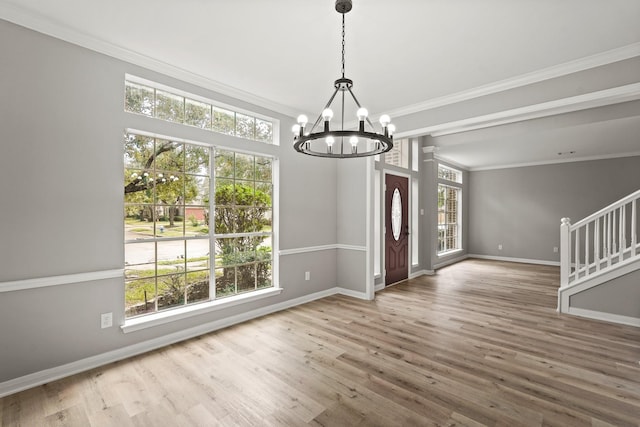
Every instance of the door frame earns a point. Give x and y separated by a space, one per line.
383 220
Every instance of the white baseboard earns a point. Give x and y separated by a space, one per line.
47 375
450 261
351 293
607 317
413 275
421 273
511 259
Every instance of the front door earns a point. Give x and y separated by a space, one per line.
396 228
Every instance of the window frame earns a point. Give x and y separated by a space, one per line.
213 106
155 239
214 235
444 173
401 148
213 303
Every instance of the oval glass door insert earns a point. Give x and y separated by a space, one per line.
396 214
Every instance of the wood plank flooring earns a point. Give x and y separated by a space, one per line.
478 344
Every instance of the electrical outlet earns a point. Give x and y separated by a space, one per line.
500 247
307 275
555 249
106 320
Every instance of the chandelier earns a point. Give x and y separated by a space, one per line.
364 141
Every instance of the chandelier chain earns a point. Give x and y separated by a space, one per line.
342 45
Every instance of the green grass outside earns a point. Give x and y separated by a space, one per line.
134 291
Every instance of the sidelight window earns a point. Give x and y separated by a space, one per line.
449 210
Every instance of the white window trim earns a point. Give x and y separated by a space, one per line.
407 153
459 187
441 166
171 315
159 86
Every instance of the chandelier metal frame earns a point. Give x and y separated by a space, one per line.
343 143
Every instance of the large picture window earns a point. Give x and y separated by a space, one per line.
183 203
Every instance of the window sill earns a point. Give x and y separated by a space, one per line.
168 316
451 252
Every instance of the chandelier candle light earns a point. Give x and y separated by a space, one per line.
342 143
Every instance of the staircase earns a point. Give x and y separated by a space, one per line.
599 249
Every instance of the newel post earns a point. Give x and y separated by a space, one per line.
565 251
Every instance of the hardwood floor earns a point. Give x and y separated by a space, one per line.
478 344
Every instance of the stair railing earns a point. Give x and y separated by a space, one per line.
600 241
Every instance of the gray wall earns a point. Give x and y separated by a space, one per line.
521 208
61 132
620 296
351 226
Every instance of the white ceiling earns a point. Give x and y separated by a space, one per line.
284 54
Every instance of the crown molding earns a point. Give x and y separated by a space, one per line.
581 64
600 98
54 29
555 162
452 163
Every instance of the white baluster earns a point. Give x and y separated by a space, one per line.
586 249
622 245
609 232
565 251
614 233
596 243
604 237
577 253
634 238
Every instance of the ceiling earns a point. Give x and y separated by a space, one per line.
402 55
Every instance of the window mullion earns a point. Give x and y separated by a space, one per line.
212 224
